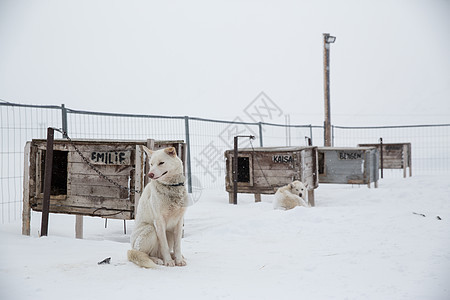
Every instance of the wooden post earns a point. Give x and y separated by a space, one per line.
405 159
78 227
26 212
235 170
311 199
257 197
47 181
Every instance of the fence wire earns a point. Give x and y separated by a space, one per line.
207 141
430 144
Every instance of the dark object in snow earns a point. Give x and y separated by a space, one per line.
439 218
419 214
105 261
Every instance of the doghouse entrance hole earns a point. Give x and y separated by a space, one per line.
59 172
321 163
243 169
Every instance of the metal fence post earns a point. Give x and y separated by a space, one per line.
260 134
64 120
381 157
188 156
332 135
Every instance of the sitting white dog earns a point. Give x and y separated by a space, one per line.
290 196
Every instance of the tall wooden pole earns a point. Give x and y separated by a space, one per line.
47 181
326 83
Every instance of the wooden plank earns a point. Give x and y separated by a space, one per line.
274 173
139 175
38 168
260 182
87 202
272 166
253 190
32 176
98 157
97 190
81 168
26 213
93 212
87 148
93 180
275 161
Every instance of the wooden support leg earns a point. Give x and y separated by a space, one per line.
376 184
311 199
79 227
26 217
257 197
230 198
26 213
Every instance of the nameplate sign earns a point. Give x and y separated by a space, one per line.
349 155
282 159
111 158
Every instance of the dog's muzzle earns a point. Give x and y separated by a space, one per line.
152 175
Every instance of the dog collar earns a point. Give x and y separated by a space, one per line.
175 184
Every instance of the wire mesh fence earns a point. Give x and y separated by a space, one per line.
206 139
430 143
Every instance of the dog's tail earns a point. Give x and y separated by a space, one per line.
141 259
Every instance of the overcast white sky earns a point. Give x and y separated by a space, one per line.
390 63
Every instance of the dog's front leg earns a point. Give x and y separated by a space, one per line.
163 244
178 232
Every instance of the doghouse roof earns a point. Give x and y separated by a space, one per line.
275 149
344 148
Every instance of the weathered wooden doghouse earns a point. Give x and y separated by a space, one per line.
76 188
263 170
348 165
393 156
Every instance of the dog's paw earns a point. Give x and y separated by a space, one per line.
169 263
157 261
180 262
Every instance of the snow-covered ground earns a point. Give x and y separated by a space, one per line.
357 243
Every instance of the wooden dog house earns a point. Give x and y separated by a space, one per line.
394 155
348 165
263 170
76 188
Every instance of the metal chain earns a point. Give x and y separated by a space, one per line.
100 174
260 168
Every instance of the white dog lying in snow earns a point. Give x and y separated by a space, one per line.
290 196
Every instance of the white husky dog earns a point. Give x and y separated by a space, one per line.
156 238
290 196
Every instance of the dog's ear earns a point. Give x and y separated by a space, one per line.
170 151
148 151
291 186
